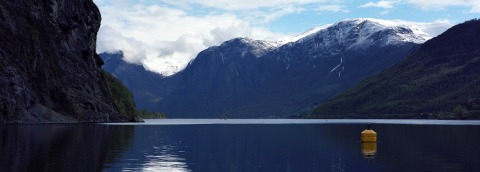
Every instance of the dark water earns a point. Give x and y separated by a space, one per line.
239 147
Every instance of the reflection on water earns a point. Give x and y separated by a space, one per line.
369 150
164 158
337 164
233 148
153 151
60 147
240 147
165 162
305 147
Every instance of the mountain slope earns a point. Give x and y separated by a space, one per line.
147 87
287 79
49 71
440 79
247 78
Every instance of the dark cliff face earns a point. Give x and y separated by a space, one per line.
49 70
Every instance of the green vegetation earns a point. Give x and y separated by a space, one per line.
440 80
150 115
122 98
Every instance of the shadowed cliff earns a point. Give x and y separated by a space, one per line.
49 69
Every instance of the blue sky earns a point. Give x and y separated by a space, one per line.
402 11
164 35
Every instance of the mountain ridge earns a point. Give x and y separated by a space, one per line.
247 78
439 79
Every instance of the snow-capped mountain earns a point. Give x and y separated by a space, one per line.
437 79
247 78
363 28
257 47
361 33
142 83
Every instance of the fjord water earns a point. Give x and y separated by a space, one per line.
242 145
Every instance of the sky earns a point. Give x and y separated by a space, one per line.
165 35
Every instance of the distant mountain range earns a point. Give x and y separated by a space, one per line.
146 86
245 78
439 80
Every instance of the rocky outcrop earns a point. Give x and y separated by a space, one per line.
49 69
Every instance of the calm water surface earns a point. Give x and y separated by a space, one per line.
242 145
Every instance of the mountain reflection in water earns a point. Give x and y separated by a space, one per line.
240 146
60 147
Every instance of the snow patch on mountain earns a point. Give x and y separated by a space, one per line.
300 36
259 44
361 33
347 34
414 27
336 67
406 31
333 39
257 47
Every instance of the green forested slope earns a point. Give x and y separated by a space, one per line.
440 80
122 97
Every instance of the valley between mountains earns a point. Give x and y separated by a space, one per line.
246 78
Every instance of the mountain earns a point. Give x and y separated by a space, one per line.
247 78
49 70
439 80
146 86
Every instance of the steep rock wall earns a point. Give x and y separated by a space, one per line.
49 69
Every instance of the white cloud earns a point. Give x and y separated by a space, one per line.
424 29
385 12
441 4
243 4
165 39
263 17
110 40
387 5
333 8
165 35
435 28
379 4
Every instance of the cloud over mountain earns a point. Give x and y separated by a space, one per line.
165 39
164 36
